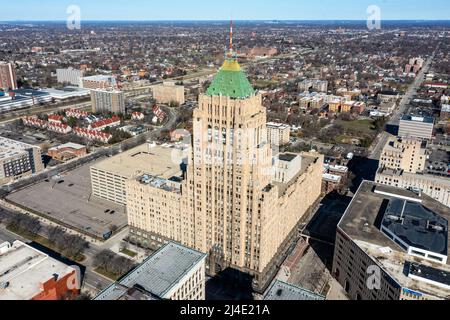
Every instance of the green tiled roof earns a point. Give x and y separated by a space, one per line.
231 82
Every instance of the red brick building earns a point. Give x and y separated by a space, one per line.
68 151
29 274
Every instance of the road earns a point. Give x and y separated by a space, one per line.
92 280
18 114
7 236
205 73
381 141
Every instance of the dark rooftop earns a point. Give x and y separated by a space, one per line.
417 226
429 273
30 92
364 216
284 291
288 157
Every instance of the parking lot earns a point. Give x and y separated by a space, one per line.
67 200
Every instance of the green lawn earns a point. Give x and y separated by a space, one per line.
107 274
129 253
365 126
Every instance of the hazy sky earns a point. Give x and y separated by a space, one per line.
223 10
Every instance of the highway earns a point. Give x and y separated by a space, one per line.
18 114
205 73
382 139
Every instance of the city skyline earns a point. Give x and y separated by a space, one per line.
139 10
150 151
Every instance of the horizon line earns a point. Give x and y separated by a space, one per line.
221 20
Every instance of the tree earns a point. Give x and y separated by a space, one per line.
24 224
113 228
112 263
174 104
72 122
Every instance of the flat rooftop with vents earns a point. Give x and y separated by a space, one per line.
24 270
288 292
158 276
160 160
398 228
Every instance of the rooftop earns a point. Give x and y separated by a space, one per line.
157 275
69 145
30 92
284 291
277 125
24 268
145 159
10 148
231 82
100 78
306 161
362 223
428 120
416 225
332 178
288 157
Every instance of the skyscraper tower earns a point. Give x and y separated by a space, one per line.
230 179
231 204
231 164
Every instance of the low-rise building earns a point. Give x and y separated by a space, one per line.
76 113
59 128
67 93
24 98
348 94
105 123
99 82
445 112
392 244
29 274
18 160
54 118
333 178
330 182
313 84
335 105
434 186
137 116
92 135
174 272
310 102
67 151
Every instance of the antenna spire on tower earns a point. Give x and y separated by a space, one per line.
231 35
